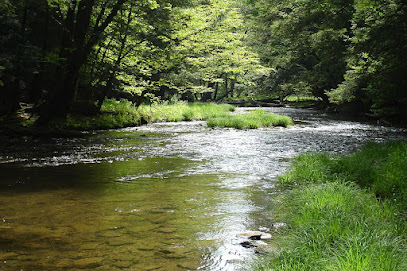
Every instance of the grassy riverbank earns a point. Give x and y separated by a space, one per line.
254 120
344 212
118 114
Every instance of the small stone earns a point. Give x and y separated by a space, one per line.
247 244
254 235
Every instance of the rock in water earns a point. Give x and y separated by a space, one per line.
254 235
247 244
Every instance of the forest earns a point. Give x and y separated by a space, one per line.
59 57
327 193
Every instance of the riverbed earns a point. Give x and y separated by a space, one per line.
164 196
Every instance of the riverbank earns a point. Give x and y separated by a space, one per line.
344 212
120 114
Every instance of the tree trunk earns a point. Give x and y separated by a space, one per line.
109 83
59 104
232 87
215 94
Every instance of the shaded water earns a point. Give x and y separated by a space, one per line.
166 196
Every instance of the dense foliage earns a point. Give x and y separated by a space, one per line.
341 51
62 56
68 56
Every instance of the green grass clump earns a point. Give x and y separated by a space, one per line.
344 212
101 121
183 111
256 119
337 226
119 107
381 168
118 114
113 114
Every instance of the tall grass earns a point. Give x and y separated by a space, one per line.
117 114
336 221
337 226
114 114
381 168
254 120
182 111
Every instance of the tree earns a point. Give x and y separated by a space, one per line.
138 51
303 41
83 26
377 59
215 59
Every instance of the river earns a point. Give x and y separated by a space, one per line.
165 196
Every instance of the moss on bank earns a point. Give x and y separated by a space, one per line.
344 212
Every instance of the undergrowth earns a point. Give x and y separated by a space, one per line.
118 114
344 212
381 168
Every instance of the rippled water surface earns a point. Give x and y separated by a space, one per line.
166 196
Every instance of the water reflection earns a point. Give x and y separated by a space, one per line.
168 196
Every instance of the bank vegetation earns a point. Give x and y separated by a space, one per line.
344 212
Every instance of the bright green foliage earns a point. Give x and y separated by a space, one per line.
336 226
254 120
217 62
123 113
381 168
350 51
304 43
138 51
181 111
377 58
333 224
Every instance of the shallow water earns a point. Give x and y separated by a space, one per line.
166 196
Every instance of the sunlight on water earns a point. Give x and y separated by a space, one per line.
166 196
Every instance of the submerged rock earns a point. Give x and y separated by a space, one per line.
253 244
252 239
247 244
254 235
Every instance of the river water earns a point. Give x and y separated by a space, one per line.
165 196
